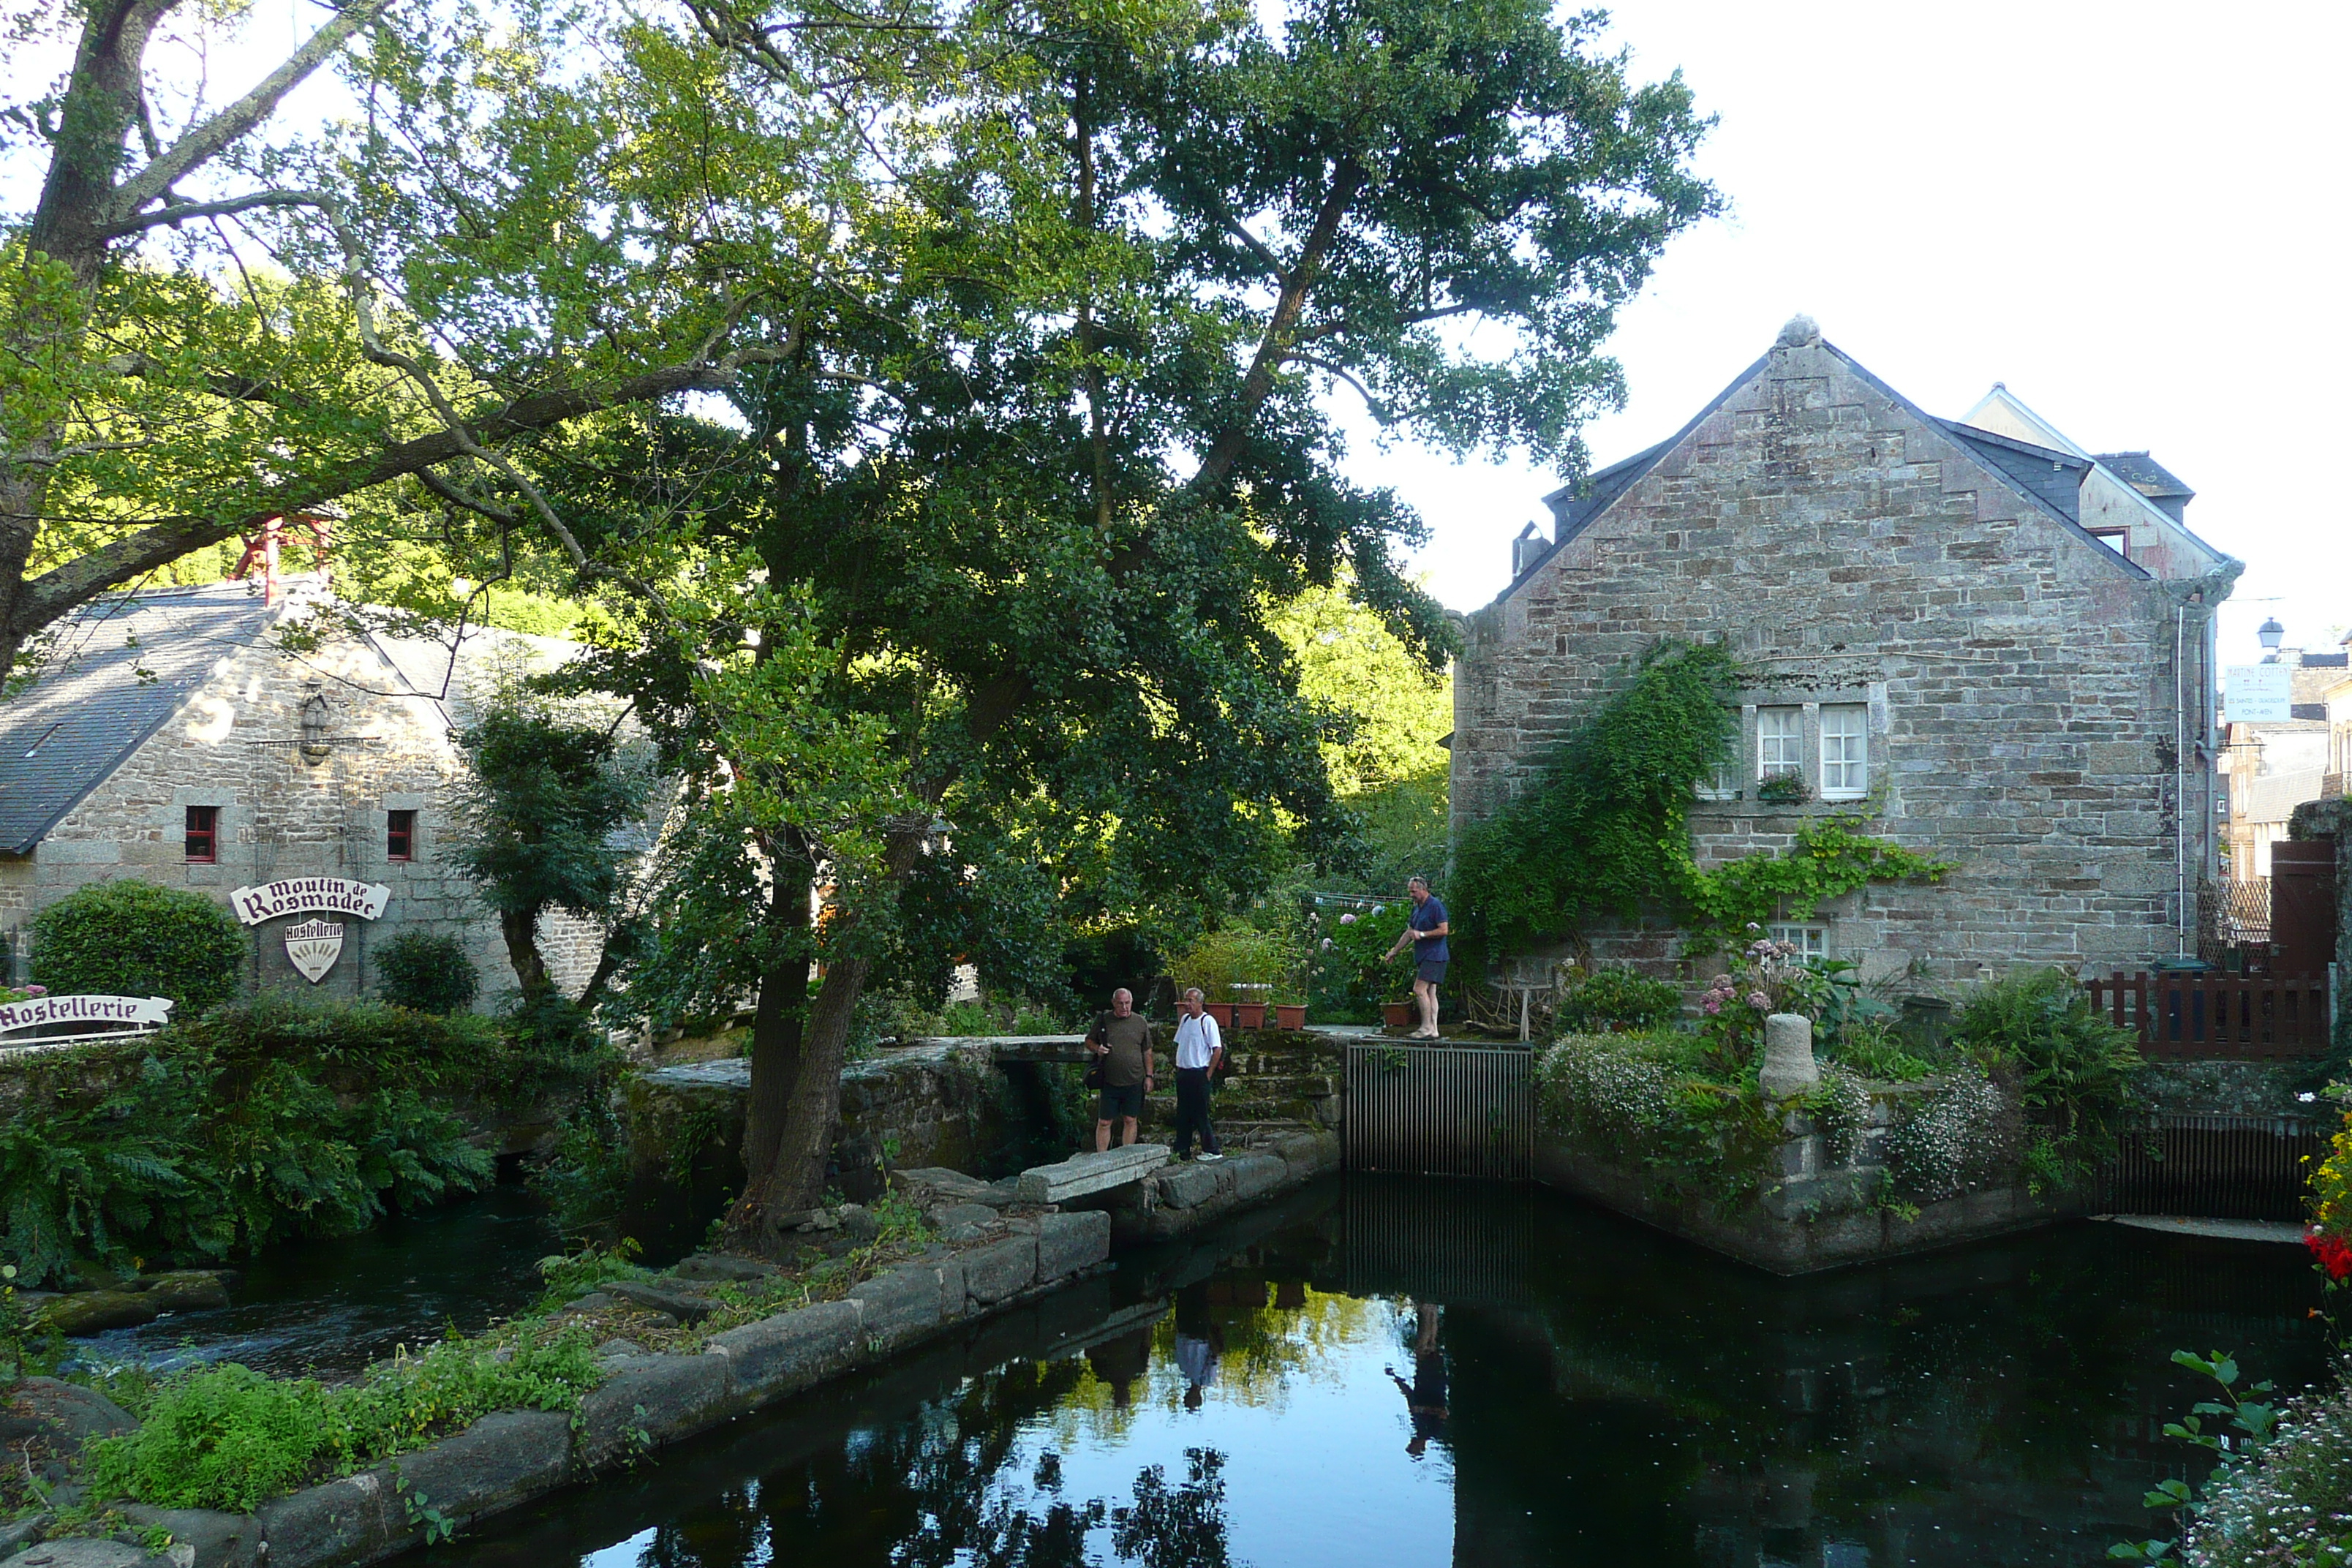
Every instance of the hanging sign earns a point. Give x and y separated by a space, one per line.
298 894
2258 693
116 1015
313 946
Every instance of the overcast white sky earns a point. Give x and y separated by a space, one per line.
2130 213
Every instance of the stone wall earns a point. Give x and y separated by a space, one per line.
283 814
2018 679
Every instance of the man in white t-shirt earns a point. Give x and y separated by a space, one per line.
1200 1052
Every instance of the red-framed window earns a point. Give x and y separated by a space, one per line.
400 836
204 834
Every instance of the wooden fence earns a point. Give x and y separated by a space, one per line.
2233 1017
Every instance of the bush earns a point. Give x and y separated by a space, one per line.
2074 1068
261 1121
426 972
134 938
1233 955
1613 999
227 1438
1658 1099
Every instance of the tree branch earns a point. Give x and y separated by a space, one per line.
201 144
1380 410
178 212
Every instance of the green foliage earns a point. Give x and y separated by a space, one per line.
545 795
1353 972
1235 955
225 1436
130 937
261 1121
1829 857
1392 708
1403 830
1603 830
572 1275
1658 1099
1610 999
429 972
2249 1427
2074 1068
28 1348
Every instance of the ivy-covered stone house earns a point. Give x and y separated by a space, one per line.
1970 636
173 737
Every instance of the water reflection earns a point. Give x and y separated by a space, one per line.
1405 1374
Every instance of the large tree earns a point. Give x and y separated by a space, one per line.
1007 527
530 217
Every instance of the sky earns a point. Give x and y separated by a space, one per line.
2129 212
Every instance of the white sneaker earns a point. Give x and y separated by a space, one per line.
1210 1156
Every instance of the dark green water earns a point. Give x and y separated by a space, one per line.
334 1305
1386 1373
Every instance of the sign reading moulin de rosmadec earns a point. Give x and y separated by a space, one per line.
297 894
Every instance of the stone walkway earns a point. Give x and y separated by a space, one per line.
2274 1230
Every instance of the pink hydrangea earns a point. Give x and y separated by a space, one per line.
37 991
1713 1004
1758 1000
1349 919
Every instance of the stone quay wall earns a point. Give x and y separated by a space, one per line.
2019 681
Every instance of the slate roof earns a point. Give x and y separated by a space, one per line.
2049 475
2145 475
2051 480
122 666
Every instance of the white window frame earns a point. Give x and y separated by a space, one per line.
1810 941
1845 753
1779 751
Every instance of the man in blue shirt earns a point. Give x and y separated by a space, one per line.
1426 928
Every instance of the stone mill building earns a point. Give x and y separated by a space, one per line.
177 736
1983 642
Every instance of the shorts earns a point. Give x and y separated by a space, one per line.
1432 969
1121 1102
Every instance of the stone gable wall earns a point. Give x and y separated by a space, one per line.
284 815
2019 680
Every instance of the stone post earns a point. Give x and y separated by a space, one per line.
1789 1068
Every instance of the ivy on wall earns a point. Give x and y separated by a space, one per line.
1605 829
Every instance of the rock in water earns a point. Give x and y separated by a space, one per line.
95 1311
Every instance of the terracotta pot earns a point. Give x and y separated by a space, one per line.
1397 1015
1223 1012
1288 1017
1250 1014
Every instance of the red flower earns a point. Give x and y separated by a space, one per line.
2331 1253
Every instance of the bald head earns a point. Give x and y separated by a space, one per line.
1122 1002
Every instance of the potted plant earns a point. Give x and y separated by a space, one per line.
1290 1015
1249 1012
1397 1015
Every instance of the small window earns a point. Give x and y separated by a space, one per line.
2115 539
204 834
1723 784
400 836
1779 742
1845 750
1811 941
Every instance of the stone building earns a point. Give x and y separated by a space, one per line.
1983 642
174 738
2274 765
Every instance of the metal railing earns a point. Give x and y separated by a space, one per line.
2213 1165
1441 1110
2229 1017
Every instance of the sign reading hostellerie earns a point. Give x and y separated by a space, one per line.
114 1012
297 894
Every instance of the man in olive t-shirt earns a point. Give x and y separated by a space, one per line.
1122 1038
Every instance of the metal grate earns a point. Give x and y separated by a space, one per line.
1441 1111
2213 1166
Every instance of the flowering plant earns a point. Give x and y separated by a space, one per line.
1352 976
1766 978
21 993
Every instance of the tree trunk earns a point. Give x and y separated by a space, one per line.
792 1177
778 1031
520 928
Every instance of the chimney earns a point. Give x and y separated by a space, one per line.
1526 549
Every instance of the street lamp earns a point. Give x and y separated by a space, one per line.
2272 634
